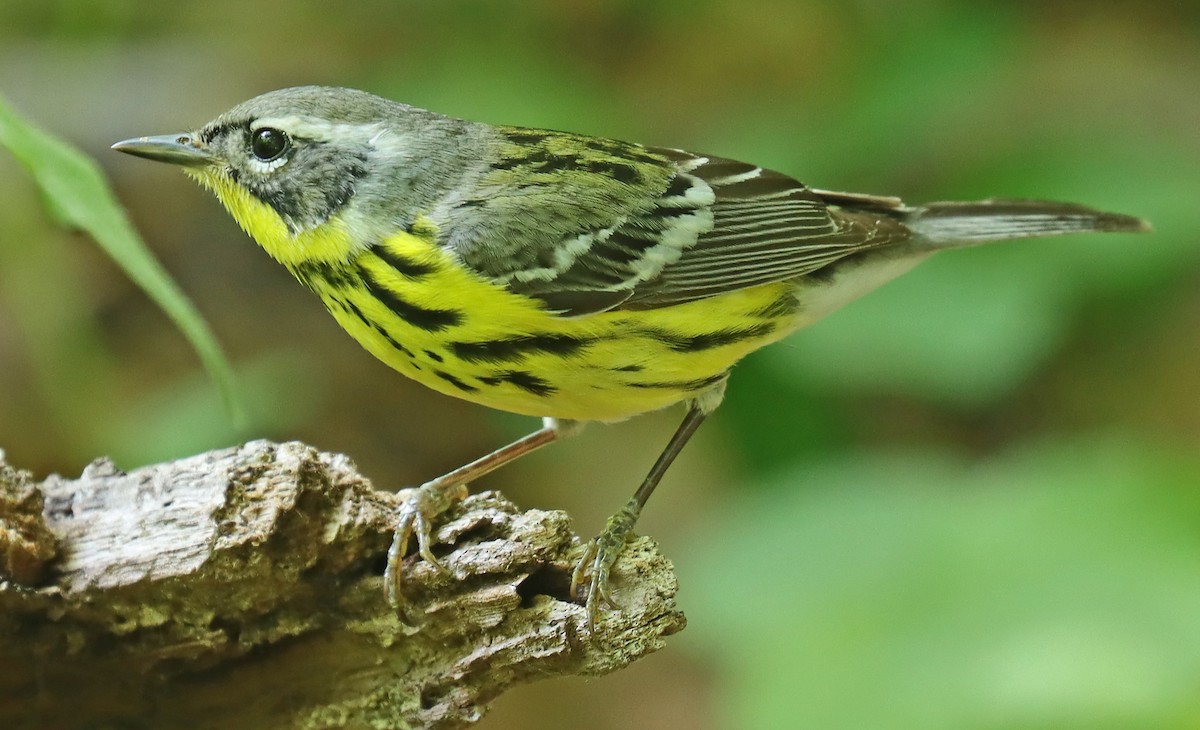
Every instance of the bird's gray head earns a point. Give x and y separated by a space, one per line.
307 153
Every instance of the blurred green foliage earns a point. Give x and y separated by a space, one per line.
1052 587
967 501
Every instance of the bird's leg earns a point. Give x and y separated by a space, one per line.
418 510
604 549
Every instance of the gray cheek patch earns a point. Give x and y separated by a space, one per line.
317 181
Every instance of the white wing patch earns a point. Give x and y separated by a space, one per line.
565 257
637 249
681 232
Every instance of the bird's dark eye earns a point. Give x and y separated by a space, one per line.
269 144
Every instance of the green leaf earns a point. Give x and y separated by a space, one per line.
78 195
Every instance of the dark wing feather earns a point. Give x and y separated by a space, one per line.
588 224
768 227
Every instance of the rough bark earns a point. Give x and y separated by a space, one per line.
241 589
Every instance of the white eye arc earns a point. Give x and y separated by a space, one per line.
264 167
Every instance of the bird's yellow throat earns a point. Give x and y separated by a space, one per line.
329 241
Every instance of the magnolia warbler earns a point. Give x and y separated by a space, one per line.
553 274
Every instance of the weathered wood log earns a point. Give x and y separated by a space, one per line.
242 589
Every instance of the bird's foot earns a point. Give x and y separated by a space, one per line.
598 558
415 516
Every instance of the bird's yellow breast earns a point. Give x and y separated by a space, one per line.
415 307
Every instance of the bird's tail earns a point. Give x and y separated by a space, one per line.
964 224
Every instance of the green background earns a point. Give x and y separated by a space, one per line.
967 501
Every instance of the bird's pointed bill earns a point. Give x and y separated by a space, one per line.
177 149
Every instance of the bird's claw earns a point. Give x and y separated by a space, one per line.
415 515
598 558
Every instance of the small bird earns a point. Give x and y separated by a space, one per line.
558 275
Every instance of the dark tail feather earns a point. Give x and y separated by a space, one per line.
948 224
